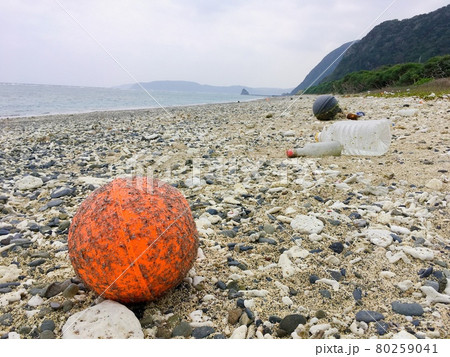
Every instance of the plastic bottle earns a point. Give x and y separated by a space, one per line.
366 137
329 148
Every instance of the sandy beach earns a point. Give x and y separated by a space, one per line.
332 247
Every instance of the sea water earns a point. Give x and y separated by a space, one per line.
24 100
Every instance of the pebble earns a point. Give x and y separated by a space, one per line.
47 335
202 332
29 183
368 316
407 309
9 273
70 291
404 335
60 192
47 325
434 184
434 297
240 332
109 319
421 253
337 247
35 301
182 329
234 315
379 237
307 224
290 322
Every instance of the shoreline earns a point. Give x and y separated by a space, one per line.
383 221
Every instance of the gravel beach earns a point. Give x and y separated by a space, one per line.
333 247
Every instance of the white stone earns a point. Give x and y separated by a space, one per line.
394 258
36 300
400 230
434 184
333 283
421 253
106 320
208 297
332 260
13 336
297 252
255 293
249 304
403 335
387 274
274 210
284 289
230 200
194 182
288 269
379 237
287 301
197 280
307 224
29 183
240 332
407 112
9 273
288 133
239 189
196 316
433 296
405 285
284 219
203 223
316 328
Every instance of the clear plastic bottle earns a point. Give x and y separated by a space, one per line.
329 148
365 137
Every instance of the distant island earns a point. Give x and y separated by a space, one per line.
187 86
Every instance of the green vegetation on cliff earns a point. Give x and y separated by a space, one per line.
405 74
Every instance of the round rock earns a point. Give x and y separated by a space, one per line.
307 224
109 319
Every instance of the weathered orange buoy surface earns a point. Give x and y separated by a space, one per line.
133 239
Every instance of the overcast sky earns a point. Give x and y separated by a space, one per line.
255 43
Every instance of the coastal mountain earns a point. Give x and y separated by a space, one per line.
186 86
323 69
411 40
392 42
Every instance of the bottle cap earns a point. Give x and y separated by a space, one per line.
290 153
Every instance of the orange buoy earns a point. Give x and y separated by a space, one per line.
132 240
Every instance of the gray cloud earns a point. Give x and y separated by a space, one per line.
253 42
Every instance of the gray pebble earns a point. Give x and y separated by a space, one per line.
47 325
382 328
368 316
36 262
47 335
55 203
70 291
357 294
6 319
67 305
55 288
325 293
407 309
267 240
433 284
202 331
269 229
60 192
182 329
